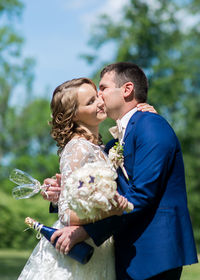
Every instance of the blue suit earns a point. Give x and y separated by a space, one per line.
157 235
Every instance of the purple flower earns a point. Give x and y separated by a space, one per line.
91 179
80 184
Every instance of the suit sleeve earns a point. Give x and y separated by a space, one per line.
53 208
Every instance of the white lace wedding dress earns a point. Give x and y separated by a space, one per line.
45 263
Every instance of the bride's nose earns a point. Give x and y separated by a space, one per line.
100 101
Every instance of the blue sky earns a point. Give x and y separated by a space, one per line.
57 32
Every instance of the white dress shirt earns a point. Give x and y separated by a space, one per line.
123 122
118 131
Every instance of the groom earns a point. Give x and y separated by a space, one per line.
155 240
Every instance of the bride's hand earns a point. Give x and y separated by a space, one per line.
144 107
53 188
122 204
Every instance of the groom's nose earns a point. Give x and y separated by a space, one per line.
100 94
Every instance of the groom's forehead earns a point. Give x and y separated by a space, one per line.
107 78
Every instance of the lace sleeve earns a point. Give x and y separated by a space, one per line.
75 154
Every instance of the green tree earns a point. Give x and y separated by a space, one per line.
25 142
161 39
34 152
14 71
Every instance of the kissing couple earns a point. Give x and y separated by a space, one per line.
155 240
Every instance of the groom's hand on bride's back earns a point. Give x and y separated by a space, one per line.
52 191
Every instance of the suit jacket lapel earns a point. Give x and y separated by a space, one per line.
130 126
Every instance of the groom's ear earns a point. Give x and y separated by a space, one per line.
128 90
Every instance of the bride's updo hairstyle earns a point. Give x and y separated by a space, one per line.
64 105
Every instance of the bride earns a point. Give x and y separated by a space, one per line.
76 113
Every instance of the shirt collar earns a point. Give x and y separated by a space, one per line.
125 119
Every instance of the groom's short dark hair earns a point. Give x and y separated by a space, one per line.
129 72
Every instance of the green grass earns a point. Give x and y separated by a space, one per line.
191 272
12 262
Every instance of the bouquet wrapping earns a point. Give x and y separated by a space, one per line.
91 189
81 252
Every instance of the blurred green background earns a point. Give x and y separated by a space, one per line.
161 39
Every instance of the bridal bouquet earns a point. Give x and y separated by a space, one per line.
91 188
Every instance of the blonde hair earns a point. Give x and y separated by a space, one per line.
64 105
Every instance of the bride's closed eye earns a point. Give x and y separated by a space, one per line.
91 101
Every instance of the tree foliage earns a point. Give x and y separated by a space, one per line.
163 38
159 37
25 142
14 71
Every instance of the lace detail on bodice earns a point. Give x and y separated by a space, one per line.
76 154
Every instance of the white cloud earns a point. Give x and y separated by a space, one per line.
187 20
112 8
153 4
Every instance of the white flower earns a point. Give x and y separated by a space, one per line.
117 158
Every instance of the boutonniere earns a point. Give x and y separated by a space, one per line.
117 158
